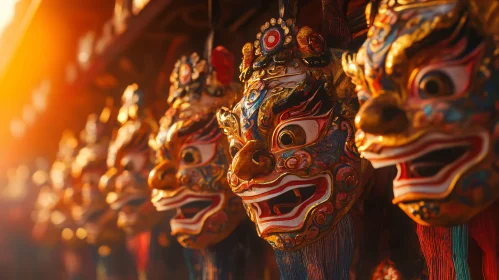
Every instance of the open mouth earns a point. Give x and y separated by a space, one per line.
429 167
286 202
431 163
128 199
189 210
283 205
192 208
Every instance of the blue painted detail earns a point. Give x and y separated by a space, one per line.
287 154
251 105
479 179
460 251
428 110
453 115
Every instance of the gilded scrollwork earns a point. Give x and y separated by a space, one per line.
191 155
294 162
426 83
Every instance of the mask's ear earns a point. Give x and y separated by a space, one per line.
485 14
228 122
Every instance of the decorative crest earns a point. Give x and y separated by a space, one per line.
191 75
279 42
132 104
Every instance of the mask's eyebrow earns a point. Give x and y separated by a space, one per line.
163 152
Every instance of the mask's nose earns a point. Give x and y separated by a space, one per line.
163 176
252 161
382 115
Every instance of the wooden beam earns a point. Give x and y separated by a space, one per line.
135 27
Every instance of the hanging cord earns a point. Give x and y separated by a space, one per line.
288 9
460 251
334 23
483 230
214 18
436 246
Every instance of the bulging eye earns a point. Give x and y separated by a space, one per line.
436 84
291 135
234 148
128 166
297 133
442 80
197 154
191 155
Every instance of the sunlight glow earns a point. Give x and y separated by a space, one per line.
6 12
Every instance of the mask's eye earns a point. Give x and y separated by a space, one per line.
441 81
133 162
198 154
291 135
436 84
128 166
234 148
191 155
297 133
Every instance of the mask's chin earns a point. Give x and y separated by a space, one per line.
429 168
433 173
438 181
195 214
285 204
216 228
473 192
315 225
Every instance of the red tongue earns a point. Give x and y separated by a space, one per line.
264 207
191 211
409 170
405 172
179 215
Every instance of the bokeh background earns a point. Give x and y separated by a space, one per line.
61 60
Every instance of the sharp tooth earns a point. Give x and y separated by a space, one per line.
180 215
297 193
276 210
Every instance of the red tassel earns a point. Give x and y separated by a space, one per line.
138 246
386 270
483 231
436 246
223 63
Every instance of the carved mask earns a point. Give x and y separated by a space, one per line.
89 208
292 137
129 161
192 154
426 79
52 208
